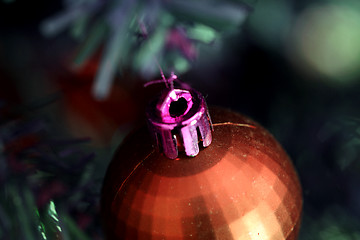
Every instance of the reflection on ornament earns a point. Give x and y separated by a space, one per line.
242 186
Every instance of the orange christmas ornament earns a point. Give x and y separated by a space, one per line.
242 186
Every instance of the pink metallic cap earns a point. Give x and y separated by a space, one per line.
176 120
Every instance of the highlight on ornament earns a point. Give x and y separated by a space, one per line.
241 186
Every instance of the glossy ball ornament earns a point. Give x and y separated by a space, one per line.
242 186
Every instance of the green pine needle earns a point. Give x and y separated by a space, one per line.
129 46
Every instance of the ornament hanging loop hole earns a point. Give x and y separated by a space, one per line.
178 108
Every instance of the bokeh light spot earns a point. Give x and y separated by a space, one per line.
327 38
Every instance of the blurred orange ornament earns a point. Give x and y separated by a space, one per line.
243 186
98 119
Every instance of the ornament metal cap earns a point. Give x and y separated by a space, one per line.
179 119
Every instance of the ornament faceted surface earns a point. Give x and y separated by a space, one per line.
242 186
